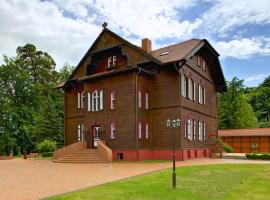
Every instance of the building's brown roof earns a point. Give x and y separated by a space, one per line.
244 132
176 51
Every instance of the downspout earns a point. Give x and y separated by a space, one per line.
181 64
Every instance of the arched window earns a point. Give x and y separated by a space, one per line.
183 86
190 89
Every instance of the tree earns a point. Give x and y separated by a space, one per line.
234 109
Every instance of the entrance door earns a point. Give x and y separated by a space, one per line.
96 135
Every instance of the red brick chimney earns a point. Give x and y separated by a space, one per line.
147 45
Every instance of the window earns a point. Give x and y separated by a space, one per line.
190 129
113 130
80 99
146 131
194 91
113 100
139 99
89 101
183 86
190 89
146 100
140 130
199 61
194 130
111 62
201 95
204 131
95 101
200 131
203 65
185 129
80 132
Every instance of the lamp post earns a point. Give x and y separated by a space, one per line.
173 124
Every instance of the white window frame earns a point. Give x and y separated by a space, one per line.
194 91
109 61
183 86
79 100
114 60
82 99
146 130
113 100
89 101
146 100
204 135
100 100
190 129
79 132
194 130
190 89
113 130
200 94
200 131
140 130
139 98
203 95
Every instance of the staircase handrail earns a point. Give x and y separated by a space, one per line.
104 151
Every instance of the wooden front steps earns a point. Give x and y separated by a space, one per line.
82 156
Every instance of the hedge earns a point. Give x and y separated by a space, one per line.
265 156
47 154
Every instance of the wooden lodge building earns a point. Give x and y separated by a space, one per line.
122 95
247 140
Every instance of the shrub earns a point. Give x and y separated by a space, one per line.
258 156
46 146
47 154
228 149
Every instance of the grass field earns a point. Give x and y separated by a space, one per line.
208 182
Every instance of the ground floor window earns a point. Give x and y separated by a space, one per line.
80 132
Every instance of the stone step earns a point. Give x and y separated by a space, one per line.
234 156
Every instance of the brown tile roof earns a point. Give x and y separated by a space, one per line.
176 51
244 132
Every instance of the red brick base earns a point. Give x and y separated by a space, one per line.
159 154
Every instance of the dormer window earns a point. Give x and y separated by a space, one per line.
111 62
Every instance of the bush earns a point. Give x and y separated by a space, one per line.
46 146
228 149
47 154
258 156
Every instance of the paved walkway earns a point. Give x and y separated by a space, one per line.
35 179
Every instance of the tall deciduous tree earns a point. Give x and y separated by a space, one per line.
234 109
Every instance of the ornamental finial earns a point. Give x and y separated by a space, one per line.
104 25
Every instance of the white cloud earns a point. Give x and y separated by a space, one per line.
225 15
44 25
256 77
243 48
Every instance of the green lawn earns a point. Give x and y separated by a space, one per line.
208 182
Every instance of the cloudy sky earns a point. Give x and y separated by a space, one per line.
238 29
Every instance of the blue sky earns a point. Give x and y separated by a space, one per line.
239 30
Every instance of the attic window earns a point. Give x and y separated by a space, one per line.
164 53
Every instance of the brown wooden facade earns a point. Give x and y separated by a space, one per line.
142 75
247 140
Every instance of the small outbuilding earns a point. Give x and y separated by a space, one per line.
247 140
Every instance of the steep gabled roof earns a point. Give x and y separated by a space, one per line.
185 50
163 56
176 51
